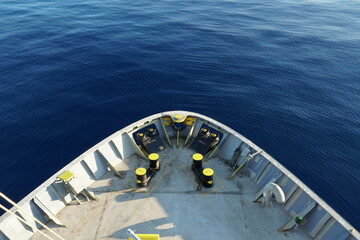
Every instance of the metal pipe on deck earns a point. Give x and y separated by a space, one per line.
132 234
29 215
26 223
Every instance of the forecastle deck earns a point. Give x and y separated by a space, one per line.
171 204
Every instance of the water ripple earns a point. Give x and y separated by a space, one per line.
283 73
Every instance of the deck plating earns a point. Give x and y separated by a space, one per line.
164 208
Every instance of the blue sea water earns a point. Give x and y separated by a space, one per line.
283 73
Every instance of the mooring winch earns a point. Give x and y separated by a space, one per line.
206 140
148 139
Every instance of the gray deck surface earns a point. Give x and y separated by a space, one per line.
172 207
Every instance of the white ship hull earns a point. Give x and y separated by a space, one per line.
176 204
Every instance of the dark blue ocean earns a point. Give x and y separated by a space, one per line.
284 73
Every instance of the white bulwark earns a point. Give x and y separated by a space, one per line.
99 196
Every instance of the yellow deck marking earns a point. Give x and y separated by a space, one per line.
166 134
189 135
221 186
160 178
187 173
177 138
212 152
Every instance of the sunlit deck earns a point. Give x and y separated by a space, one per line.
172 207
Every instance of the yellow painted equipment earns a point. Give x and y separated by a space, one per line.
66 176
141 177
197 157
75 186
206 140
147 237
166 121
178 122
153 156
208 172
140 171
178 118
154 161
197 160
189 121
208 177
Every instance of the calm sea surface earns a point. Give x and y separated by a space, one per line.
285 74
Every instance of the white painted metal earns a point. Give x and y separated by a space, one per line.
132 234
28 215
90 167
273 189
26 223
